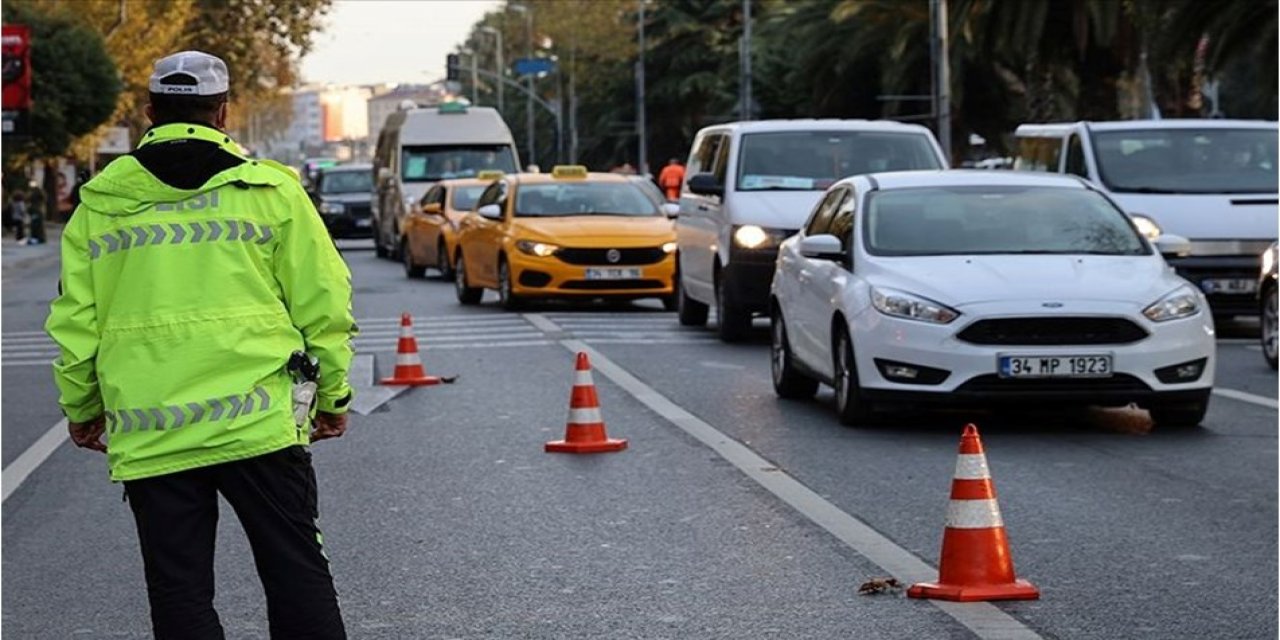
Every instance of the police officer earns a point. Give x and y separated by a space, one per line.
190 275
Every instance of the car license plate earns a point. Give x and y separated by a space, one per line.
1075 366
363 222
614 273
1229 285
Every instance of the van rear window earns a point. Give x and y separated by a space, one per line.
429 164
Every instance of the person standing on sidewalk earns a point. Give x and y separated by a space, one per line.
191 276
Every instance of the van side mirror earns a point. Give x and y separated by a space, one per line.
823 246
1172 246
490 211
705 184
671 209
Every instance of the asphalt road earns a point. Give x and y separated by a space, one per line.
731 515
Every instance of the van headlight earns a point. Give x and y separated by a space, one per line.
900 304
1269 258
540 249
1179 303
1146 226
750 236
332 208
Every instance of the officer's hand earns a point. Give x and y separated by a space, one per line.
329 425
89 434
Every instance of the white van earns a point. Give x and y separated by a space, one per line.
420 146
1212 182
750 185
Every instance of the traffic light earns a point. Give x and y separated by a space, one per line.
451 66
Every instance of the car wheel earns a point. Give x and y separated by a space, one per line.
691 312
1268 333
508 300
734 321
411 269
1179 416
850 405
670 303
466 294
442 262
788 382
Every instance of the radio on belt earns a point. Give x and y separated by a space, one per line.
305 371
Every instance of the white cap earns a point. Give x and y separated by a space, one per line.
192 73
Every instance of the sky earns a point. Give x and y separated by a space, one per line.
376 41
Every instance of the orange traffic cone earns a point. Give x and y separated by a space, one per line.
976 564
585 430
409 371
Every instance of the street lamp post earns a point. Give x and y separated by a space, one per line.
528 14
643 169
498 66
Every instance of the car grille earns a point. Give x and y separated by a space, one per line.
1052 331
645 255
611 285
992 383
358 211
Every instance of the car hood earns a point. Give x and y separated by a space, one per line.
1250 216
774 209
347 198
960 281
598 230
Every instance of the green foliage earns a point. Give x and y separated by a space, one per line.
74 82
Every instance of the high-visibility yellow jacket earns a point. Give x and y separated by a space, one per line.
179 309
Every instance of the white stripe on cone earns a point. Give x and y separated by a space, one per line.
585 416
403 359
582 378
973 514
972 466
406 331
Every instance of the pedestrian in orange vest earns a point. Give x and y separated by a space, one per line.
670 179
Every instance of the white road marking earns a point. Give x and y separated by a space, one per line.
1261 401
16 473
429 339
983 619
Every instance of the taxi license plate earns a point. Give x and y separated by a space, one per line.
362 222
1075 366
614 273
1229 285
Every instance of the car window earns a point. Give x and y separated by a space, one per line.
721 167
1187 160
1038 154
820 221
702 160
1075 157
814 160
842 220
465 198
495 193
433 195
583 198
996 220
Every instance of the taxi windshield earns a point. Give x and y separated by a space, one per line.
936 221
1187 160
429 164
464 198
583 199
814 160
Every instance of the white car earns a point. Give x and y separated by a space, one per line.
976 288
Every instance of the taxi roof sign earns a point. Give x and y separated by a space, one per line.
453 107
569 172
489 174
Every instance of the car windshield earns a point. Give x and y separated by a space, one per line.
464 198
347 182
584 198
814 160
429 164
1187 160
973 220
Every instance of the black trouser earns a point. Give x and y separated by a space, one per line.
274 496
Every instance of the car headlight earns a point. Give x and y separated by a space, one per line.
1179 303
1146 226
332 208
1269 258
540 249
905 305
669 247
750 236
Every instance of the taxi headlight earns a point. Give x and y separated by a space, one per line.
750 236
669 247
1179 303
332 208
540 249
900 304
1146 226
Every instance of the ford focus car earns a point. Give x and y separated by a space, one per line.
974 288
567 234
430 234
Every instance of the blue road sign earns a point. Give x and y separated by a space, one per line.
526 66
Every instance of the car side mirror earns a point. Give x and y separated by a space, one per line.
705 184
1170 245
431 208
823 246
671 209
490 211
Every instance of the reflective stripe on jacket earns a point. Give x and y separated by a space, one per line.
180 307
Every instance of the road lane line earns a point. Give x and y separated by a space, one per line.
16 473
985 620
1261 401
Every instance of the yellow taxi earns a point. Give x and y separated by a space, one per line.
429 237
566 234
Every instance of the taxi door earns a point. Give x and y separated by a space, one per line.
483 236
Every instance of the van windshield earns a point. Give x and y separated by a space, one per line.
1187 160
429 164
814 160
